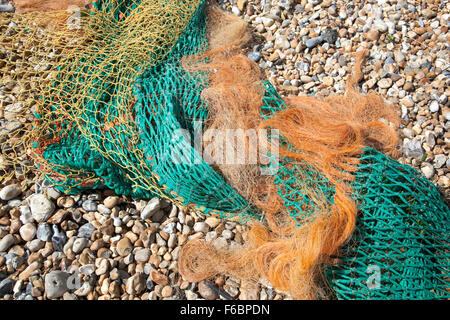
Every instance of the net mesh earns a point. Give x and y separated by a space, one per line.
110 105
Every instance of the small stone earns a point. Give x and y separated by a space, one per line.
427 170
329 35
227 234
86 230
170 228
6 287
142 255
372 35
236 10
430 139
212 222
10 192
124 246
282 42
59 238
136 284
84 290
28 231
306 79
25 214
408 133
65 202
191 295
41 207
152 207
103 267
111 201
384 83
201 227
44 232
439 161
254 55
79 244
35 245
158 277
56 284
267 22
6 242
206 292
89 205
311 43
413 148
172 242
167 291
87 269
434 106
6 8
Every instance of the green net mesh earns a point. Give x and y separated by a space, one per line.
118 110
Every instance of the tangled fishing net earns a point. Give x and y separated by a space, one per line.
116 95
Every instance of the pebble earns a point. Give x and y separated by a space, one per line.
89 205
201 227
255 56
111 201
79 244
206 292
124 246
59 238
86 230
167 291
10 192
6 242
413 148
28 231
56 284
44 232
142 255
329 35
384 83
313 42
6 8
6 287
427 170
41 207
151 208
25 214
434 106
439 161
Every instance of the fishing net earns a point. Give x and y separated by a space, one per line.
115 96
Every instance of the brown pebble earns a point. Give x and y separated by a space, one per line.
158 278
167 291
124 246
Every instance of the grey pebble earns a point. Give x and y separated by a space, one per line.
311 43
44 232
86 230
89 205
56 284
255 56
6 286
10 192
151 208
59 238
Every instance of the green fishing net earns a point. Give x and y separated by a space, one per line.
119 111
